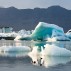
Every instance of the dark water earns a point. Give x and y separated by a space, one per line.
24 63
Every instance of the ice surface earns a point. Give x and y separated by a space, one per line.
53 50
12 34
24 32
23 35
44 30
14 50
68 34
58 38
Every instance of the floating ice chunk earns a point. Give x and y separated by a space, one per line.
19 48
68 34
44 30
14 50
58 38
24 32
12 34
17 37
61 38
53 50
23 35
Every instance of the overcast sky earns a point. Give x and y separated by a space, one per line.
23 4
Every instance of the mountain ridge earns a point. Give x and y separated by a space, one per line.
29 18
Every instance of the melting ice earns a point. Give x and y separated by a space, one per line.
44 31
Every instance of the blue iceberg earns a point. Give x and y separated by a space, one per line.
68 34
44 30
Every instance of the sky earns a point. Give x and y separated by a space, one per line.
23 4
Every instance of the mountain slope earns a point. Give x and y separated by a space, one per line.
29 18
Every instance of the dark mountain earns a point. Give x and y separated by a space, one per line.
29 18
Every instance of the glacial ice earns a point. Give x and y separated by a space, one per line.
53 50
14 50
68 34
44 30
12 34
23 35
58 38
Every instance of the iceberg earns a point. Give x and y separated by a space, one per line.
68 34
8 36
24 32
58 38
15 51
53 50
7 33
23 35
44 30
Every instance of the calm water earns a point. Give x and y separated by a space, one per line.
20 61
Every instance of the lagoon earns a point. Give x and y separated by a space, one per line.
20 61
